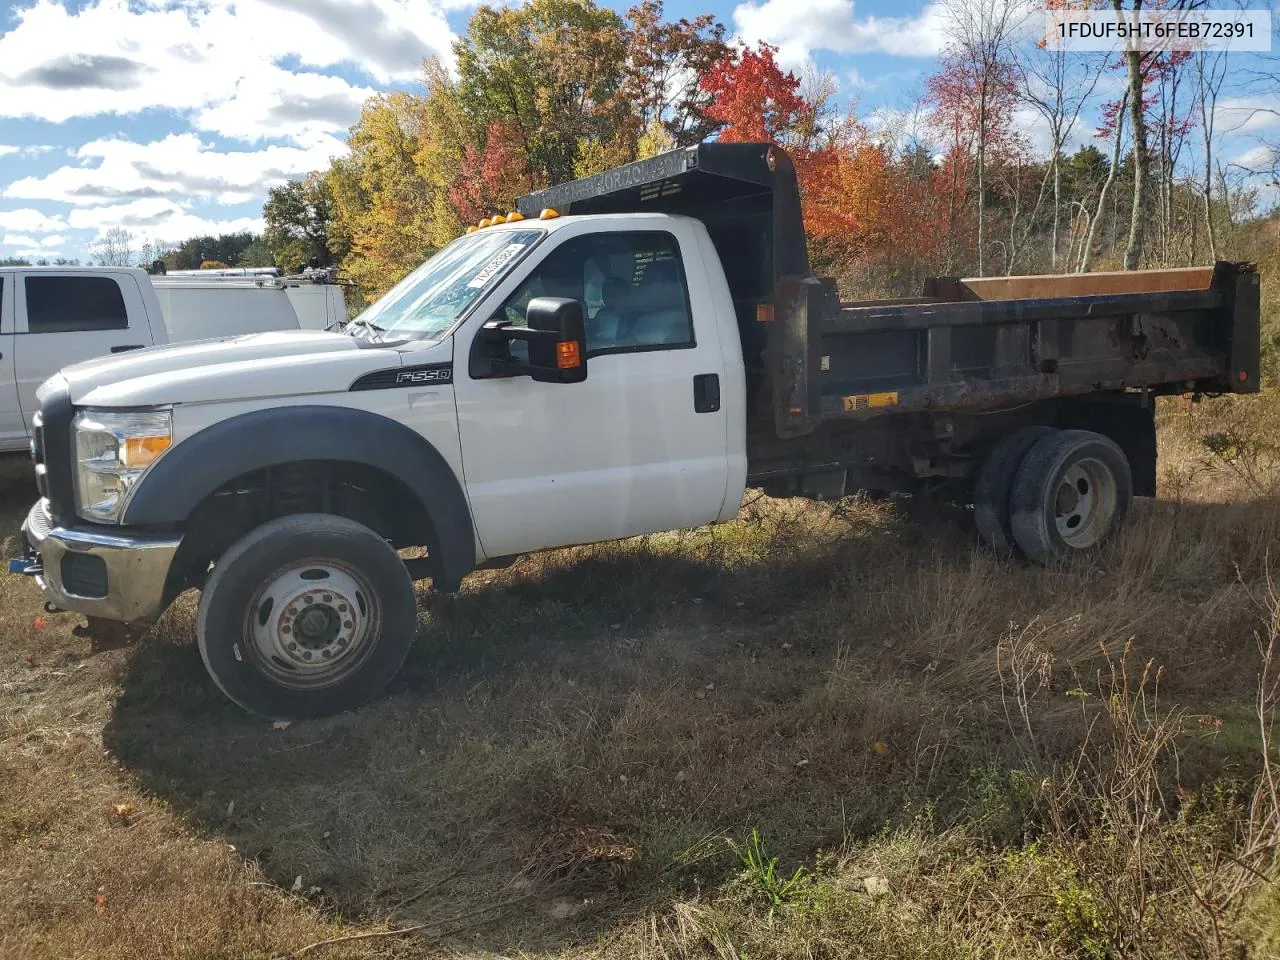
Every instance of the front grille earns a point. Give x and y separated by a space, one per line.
84 575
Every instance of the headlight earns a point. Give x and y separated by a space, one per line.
113 451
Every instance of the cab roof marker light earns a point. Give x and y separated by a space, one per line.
484 223
497 218
513 217
472 229
548 214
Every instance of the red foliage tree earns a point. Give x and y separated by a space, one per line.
491 177
752 98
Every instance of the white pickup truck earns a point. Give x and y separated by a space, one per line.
624 355
53 317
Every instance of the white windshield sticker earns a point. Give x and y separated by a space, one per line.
496 264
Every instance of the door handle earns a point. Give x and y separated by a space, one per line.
127 346
706 393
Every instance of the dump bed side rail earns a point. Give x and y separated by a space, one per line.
964 348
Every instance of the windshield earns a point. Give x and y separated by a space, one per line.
426 303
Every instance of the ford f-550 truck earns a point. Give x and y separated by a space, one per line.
623 355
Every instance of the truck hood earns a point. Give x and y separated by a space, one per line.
256 365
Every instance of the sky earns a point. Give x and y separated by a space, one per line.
172 118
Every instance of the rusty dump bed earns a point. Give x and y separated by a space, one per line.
995 342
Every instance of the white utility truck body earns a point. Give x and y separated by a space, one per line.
55 317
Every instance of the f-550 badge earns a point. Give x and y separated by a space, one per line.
430 375
408 377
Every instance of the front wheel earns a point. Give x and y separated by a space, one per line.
306 616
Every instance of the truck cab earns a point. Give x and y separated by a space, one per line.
621 355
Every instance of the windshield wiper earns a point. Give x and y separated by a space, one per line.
375 331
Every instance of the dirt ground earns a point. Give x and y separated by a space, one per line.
574 755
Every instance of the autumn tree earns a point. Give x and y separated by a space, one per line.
665 61
550 71
382 203
299 215
977 64
752 99
492 176
971 114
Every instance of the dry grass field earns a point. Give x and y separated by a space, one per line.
831 730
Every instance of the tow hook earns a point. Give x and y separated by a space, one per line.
106 635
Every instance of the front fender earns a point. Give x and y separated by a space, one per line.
204 462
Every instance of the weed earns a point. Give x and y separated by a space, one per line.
760 870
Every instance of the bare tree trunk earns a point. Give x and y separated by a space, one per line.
1057 85
1106 186
1209 75
1133 249
982 174
1057 206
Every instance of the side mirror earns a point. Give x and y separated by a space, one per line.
557 341
562 354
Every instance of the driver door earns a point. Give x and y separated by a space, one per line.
635 448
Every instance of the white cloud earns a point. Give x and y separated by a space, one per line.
27 220
308 105
159 219
1034 126
6 149
798 27
1246 114
1258 158
31 243
180 166
221 60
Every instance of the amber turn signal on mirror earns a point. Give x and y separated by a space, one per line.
568 355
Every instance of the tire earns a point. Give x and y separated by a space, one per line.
1071 491
995 483
330 649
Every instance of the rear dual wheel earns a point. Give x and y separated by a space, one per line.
1052 493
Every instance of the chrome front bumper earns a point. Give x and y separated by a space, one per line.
135 568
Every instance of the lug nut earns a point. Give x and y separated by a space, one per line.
286 629
327 654
306 654
342 641
348 624
342 608
328 598
291 646
307 599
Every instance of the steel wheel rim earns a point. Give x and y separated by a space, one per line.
1084 503
312 624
